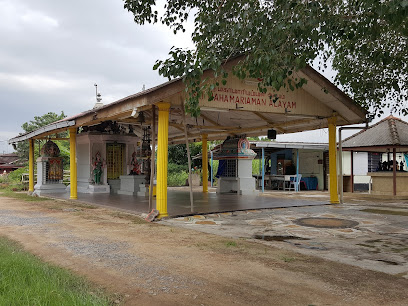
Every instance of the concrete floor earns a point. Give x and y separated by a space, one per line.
179 202
378 242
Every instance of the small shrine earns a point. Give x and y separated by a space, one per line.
235 167
138 179
103 152
50 170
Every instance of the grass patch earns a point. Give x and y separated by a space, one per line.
231 244
26 280
83 205
132 218
21 196
385 212
288 258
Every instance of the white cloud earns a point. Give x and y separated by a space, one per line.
34 82
15 16
38 19
52 52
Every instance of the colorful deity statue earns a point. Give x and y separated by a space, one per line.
134 163
97 166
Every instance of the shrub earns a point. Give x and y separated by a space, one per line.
14 177
175 168
177 179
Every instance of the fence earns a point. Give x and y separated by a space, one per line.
25 178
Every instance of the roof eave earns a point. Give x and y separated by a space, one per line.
42 130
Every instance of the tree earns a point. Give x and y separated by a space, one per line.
364 41
178 154
40 121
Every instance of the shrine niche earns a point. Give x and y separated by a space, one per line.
104 154
138 180
235 167
50 170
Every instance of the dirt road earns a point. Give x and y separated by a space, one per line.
153 264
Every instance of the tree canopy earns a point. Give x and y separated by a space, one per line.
40 121
365 42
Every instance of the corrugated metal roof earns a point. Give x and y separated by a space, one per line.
291 145
220 122
390 131
53 126
8 158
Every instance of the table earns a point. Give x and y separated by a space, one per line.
310 182
282 180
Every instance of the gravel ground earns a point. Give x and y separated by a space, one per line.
378 242
101 251
152 264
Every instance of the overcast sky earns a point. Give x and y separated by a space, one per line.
52 52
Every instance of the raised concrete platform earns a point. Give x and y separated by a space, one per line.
49 189
179 202
129 184
94 189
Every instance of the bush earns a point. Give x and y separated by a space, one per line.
175 168
256 164
3 179
12 181
177 179
14 177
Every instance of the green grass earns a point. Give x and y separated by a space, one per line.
288 258
132 218
231 244
26 280
21 196
385 212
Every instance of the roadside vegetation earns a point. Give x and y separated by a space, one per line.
178 163
26 280
12 181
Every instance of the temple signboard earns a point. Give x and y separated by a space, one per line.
252 97
244 95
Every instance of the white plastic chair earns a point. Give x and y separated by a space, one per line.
295 184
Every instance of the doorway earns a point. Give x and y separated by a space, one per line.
115 160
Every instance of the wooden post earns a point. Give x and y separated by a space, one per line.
340 156
190 180
297 185
152 158
263 169
204 159
352 172
394 171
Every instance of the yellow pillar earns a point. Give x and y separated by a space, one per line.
31 166
72 163
162 158
334 198
205 163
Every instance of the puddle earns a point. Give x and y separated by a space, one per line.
385 212
389 262
310 246
278 238
326 222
